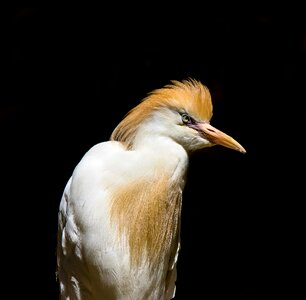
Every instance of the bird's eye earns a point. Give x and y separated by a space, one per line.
186 119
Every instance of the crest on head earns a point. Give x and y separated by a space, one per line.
189 95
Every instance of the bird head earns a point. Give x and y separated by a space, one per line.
180 111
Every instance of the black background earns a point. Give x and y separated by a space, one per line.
70 75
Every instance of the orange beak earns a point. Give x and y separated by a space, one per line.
218 137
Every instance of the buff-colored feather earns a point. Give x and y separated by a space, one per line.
148 214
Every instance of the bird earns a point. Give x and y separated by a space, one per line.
119 217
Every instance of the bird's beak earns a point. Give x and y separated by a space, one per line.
218 137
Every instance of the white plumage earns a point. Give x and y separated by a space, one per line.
119 217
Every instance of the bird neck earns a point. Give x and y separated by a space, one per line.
162 155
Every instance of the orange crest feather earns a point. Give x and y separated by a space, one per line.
188 95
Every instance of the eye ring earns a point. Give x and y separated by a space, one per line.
186 118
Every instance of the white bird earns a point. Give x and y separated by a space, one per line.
119 216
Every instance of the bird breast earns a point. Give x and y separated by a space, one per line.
126 208
138 191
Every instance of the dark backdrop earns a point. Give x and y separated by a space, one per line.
70 75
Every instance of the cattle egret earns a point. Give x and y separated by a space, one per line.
119 216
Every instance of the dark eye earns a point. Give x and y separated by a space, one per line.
186 119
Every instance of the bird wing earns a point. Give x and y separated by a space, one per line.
64 244
84 235
172 272
172 275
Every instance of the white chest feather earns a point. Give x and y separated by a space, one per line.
119 223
